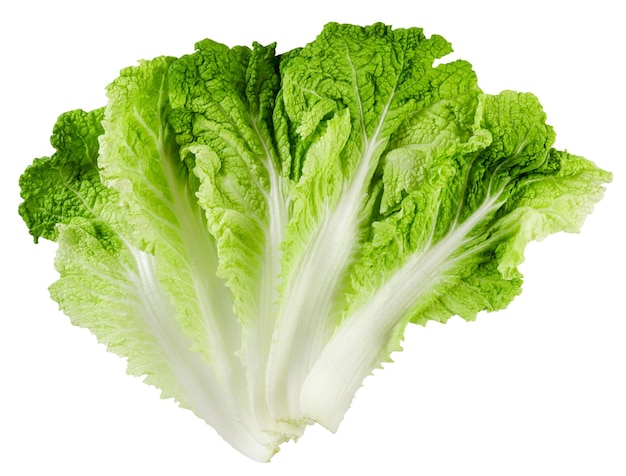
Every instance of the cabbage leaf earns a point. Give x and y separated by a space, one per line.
254 231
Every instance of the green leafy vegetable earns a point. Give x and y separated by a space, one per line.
253 231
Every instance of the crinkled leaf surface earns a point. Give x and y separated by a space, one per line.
253 231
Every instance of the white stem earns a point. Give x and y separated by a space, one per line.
359 344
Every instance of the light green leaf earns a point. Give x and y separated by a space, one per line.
223 105
453 245
344 95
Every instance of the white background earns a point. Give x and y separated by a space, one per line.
537 389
